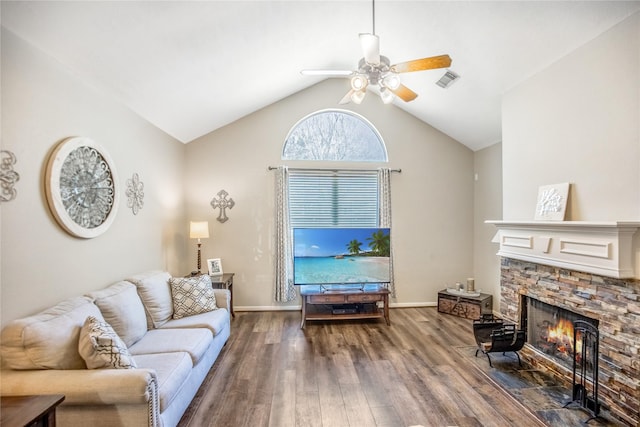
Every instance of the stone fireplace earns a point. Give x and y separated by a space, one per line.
581 288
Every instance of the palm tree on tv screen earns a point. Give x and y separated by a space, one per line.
354 247
380 243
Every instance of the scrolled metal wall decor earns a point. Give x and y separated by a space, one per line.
135 194
82 187
223 203
8 177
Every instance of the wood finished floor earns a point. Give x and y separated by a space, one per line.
350 374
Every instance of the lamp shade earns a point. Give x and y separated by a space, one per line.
199 230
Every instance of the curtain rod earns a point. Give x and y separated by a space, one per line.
329 169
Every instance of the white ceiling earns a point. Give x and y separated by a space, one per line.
191 67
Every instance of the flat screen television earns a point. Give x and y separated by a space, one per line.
341 256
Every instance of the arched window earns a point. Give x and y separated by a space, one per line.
335 135
315 197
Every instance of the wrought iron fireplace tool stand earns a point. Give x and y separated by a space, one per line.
585 362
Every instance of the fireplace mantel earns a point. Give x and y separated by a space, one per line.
603 248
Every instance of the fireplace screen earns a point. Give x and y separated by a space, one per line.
550 330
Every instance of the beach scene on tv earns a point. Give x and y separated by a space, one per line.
334 256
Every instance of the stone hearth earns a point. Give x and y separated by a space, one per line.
614 302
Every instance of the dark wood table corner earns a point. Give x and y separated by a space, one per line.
32 411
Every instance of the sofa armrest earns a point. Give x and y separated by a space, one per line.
223 298
84 386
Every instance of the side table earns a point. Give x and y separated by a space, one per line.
36 411
224 281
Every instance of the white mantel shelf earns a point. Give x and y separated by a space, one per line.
604 248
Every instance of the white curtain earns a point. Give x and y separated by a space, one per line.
384 203
284 288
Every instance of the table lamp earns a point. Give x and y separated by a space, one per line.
199 230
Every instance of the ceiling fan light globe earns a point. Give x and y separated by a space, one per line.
392 81
359 83
358 96
386 95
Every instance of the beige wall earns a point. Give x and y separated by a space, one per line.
487 205
432 197
42 103
578 121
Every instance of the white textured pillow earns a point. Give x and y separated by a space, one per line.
155 293
192 295
122 309
101 347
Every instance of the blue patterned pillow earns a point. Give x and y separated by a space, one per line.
192 295
101 347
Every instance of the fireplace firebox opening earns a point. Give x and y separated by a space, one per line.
550 330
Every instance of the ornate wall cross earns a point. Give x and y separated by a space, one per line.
223 203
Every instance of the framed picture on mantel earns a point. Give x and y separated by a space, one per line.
215 266
552 202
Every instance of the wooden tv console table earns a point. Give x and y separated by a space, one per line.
344 303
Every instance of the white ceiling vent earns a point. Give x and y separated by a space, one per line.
448 79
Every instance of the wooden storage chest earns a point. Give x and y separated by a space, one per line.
468 307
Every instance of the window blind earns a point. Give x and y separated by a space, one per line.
319 198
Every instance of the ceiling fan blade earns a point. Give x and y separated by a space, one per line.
328 73
370 48
430 63
404 93
347 98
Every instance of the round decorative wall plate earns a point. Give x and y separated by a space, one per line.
81 187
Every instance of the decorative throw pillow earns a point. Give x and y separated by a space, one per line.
192 295
101 347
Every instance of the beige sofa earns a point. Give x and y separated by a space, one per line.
46 354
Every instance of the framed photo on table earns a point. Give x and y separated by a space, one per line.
215 266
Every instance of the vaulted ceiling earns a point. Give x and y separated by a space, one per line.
192 67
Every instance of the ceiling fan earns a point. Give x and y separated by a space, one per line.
376 70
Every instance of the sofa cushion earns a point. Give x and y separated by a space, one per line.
155 293
48 340
172 373
122 309
192 341
192 295
101 347
216 321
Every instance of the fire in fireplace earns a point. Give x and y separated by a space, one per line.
550 331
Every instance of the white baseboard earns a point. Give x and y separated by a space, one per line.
412 304
267 308
298 307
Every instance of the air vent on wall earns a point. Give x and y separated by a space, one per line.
448 79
